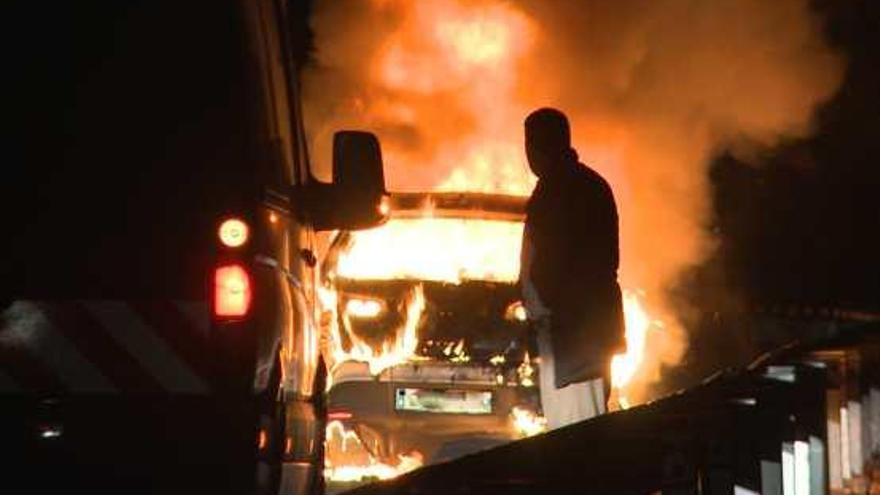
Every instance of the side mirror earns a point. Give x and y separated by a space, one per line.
356 199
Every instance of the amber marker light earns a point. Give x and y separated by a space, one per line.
262 439
385 205
516 312
233 232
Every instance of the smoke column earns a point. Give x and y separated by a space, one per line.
654 90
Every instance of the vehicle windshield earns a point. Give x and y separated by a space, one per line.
449 250
444 281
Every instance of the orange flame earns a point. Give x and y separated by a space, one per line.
459 55
624 367
451 250
467 58
400 349
526 422
438 249
346 459
445 85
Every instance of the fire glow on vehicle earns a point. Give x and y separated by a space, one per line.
470 56
396 251
446 85
348 460
444 41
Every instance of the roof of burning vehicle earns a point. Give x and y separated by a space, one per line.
458 205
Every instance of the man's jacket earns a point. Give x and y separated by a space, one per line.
572 224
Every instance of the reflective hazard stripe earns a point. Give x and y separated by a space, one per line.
166 321
124 325
28 333
104 347
93 341
77 373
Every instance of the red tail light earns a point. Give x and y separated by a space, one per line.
232 291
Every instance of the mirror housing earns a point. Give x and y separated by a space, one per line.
356 199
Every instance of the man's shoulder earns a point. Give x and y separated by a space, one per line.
588 175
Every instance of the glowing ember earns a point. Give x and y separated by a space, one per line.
439 249
347 460
456 352
527 423
526 372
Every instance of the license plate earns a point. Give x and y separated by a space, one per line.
443 401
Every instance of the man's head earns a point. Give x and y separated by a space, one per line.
548 140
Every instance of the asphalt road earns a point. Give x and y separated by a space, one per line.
132 446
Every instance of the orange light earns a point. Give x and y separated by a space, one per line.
233 232
262 439
437 249
526 422
273 218
232 291
364 308
516 311
384 206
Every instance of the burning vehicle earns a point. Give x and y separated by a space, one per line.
425 336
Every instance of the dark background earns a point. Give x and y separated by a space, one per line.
130 134
802 228
797 230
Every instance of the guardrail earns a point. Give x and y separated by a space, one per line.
804 419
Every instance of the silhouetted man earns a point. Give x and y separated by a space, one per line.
569 273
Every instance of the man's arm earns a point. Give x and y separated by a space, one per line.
535 308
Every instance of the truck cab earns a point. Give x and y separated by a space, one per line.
158 307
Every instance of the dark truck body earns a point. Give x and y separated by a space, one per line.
140 127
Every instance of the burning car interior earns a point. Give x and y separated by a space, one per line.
432 257
471 321
428 344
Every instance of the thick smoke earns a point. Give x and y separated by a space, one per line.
654 90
